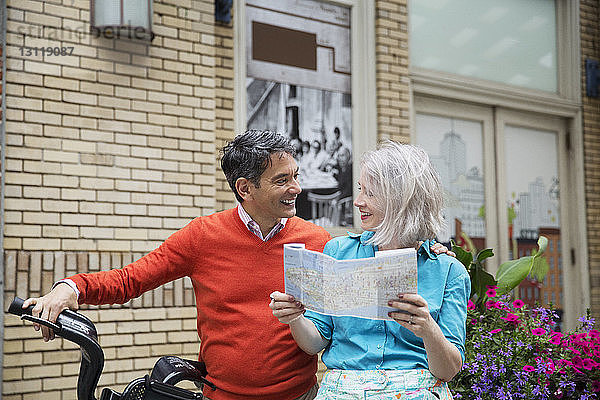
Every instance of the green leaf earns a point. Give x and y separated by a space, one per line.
542 245
539 268
480 281
483 254
462 255
511 273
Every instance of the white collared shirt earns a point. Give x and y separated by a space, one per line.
253 225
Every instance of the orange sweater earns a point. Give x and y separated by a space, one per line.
249 354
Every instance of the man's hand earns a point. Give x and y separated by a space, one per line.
52 304
439 248
285 307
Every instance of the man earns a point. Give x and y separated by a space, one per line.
235 260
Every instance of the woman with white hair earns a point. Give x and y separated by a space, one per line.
413 355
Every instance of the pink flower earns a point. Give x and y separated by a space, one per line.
473 321
491 293
495 331
588 364
528 368
490 304
518 303
470 305
510 317
491 286
573 349
550 367
596 386
577 362
538 331
555 339
594 334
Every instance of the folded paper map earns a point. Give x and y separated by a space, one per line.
359 287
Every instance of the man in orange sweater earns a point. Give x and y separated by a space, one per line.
235 260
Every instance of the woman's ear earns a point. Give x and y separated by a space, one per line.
243 187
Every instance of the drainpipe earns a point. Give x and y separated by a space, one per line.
2 173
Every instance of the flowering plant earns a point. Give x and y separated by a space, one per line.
513 352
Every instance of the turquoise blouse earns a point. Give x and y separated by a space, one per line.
358 343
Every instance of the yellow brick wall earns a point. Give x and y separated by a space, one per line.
108 152
590 38
224 131
111 148
391 46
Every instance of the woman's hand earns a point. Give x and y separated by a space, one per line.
443 357
289 311
414 314
285 307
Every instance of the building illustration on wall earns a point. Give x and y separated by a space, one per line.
463 188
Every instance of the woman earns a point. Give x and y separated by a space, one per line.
414 354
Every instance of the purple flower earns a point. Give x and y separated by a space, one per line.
587 323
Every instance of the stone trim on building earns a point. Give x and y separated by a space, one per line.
590 48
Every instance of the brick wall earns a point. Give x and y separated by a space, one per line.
590 47
108 151
393 94
112 148
224 131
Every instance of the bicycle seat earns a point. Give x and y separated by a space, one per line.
172 369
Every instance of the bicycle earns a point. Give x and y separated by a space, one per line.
158 385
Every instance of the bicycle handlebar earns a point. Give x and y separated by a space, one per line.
78 329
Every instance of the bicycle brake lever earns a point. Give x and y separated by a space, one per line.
209 383
55 327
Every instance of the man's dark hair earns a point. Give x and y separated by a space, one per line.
248 155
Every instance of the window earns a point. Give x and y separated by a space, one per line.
515 126
512 42
122 18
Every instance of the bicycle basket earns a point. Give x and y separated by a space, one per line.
147 389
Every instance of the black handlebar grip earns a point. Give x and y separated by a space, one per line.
16 307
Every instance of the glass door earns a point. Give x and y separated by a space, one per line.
532 150
503 174
459 141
